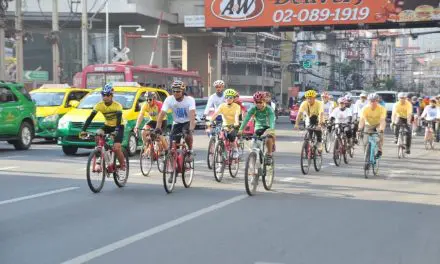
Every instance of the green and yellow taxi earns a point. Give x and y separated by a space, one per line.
53 101
129 95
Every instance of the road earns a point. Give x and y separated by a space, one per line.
48 214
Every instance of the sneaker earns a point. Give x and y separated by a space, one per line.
395 141
408 151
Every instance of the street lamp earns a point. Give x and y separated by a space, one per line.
139 28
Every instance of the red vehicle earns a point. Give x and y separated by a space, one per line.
95 76
294 113
248 102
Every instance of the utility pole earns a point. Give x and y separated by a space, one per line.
55 47
106 33
84 28
3 9
19 40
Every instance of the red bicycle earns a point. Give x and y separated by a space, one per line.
223 155
178 161
151 153
103 162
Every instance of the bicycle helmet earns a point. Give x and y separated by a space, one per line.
348 97
178 85
219 83
259 96
310 94
108 89
150 95
230 92
401 95
363 95
325 95
373 97
342 100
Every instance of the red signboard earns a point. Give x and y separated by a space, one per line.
269 13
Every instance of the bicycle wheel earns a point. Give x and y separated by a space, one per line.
251 174
146 159
317 159
188 170
96 164
375 166
169 173
327 141
351 149
367 161
234 165
161 162
345 151
211 149
120 176
219 161
268 174
337 155
305 161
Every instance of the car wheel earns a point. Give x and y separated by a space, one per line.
25 136
132 145
70 150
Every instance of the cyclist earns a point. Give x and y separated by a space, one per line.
373 119
315 115
264 122
416 113
328 108
343 115
216 99
431 113
112 112
401 116
230 112
152 107
184 113
357 110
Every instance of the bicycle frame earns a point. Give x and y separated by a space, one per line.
178 150
372 140
104 148
228 148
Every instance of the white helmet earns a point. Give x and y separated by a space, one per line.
401 95
219 83
373 96
363 95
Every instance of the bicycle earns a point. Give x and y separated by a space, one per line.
216 127
328 137
429 134
102 160
223 156
309 151
151 153
256 166
370 160
342 145
401 141
178 160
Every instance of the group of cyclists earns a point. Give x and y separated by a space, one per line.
364 115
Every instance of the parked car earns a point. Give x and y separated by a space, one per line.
53 102
131 99
200 109
390 98
17 115
248 102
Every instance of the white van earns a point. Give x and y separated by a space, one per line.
390 98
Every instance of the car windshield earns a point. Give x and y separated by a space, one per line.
388 98
126 99
48 99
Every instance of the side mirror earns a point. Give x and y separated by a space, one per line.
73 103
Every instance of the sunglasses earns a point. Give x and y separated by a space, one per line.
106 95
230 97
149 100
177 91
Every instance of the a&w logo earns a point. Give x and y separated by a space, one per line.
237 10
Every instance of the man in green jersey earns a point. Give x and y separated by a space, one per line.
264 117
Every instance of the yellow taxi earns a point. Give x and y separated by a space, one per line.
129 94
53 101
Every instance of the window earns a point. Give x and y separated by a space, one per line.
6 95
97 80
126 99
25 93
48 99
77 96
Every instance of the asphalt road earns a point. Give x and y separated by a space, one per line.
48 214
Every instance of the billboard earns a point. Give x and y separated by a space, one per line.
285 13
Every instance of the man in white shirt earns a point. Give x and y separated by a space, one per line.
431 113
216 99
343 115
184 112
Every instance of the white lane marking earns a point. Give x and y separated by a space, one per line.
7 168
150 232
132 160
13 157
199 161
83 169
288 179
19 199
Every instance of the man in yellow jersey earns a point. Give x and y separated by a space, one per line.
152 108
315 115
401 116
230 112
373 119
112 112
